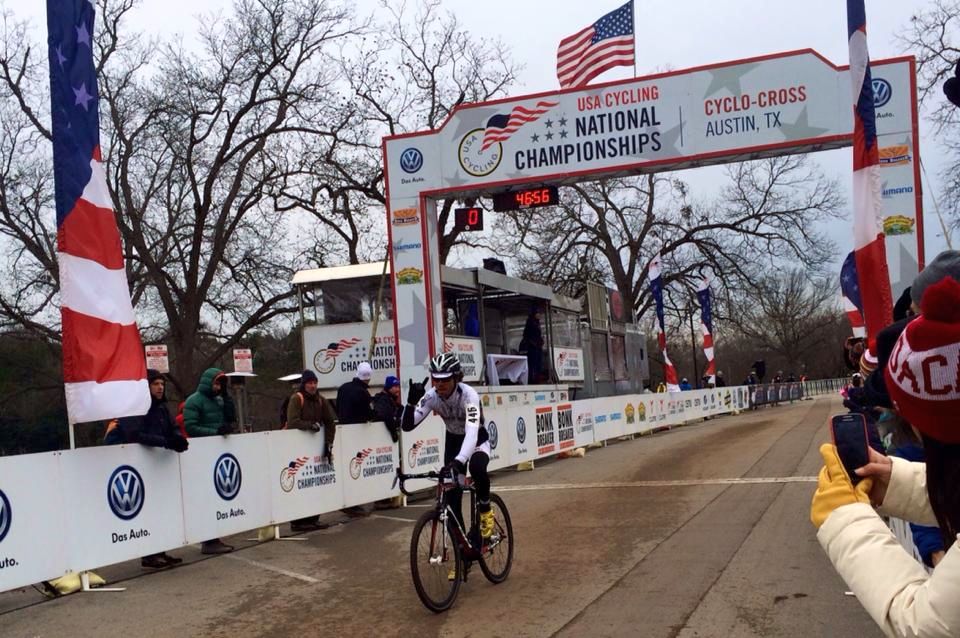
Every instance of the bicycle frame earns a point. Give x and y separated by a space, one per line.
445 510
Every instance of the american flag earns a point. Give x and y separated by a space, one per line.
870 251
344 344
850 288
706 324
656 287
104 369
296 464
606 43
501 126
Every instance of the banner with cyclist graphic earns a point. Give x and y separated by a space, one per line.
32 516
301 482
124 501
370 459
226 485
334 352
422 450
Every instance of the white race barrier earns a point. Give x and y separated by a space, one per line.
82 509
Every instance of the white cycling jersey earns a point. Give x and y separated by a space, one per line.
461 415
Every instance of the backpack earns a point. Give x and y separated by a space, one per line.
283 410
179 420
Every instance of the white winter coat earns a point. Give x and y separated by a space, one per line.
892 586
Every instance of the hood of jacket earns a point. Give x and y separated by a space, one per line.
207 379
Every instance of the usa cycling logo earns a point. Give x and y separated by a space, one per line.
227 476
521 430
6 515
882 92
492 435
411 160
125 492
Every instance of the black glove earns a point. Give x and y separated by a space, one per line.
416 391
394 436
328 457
177 443
315 426
226 428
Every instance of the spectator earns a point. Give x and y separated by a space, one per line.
791 378
156 429
532 344
751 378
294 381
897 591
855 398
210 411
720 382
685 385
353 397
388 407
307 410
778 377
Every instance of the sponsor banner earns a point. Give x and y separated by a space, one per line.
545 431
335 351
499 430
301 482
226 485
124 503
522 437
608 419
470 352
421 450
566 429
568 363
33 520
583 433
370 460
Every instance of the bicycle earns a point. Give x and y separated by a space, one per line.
440 544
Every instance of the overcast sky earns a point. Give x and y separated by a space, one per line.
671 34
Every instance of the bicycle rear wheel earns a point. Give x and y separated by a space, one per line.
497 554
433 554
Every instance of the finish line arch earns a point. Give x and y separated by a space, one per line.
781 104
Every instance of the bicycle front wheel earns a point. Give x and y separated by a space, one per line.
496 557
434 557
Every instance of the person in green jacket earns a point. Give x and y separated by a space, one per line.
210 411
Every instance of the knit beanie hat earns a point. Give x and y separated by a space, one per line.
307 376
946 264
923 374
391 382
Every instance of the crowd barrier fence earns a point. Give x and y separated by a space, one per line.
77 510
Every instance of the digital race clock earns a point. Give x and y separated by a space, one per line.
526 198
467 219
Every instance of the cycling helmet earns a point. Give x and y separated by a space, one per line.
444 365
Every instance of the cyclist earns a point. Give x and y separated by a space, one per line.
466 440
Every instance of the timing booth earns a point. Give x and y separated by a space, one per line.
484 314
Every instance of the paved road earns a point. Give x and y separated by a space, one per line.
637 539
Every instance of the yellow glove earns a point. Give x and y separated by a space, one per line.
834 488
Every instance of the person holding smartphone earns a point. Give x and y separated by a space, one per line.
922 377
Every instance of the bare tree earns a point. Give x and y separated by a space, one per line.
610 230
419 65
790 315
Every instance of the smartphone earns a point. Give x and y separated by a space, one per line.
849 432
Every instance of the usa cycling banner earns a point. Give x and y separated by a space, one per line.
369 459
124 502
301 481
780 104
226 485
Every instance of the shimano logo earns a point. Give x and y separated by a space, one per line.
492 435
882 92
227 477
902 190
521 430
125 492
6 515
411 160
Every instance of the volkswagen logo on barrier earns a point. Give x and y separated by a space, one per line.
227 477
521 430
492 435
411 160
882 92
125 492
6 515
